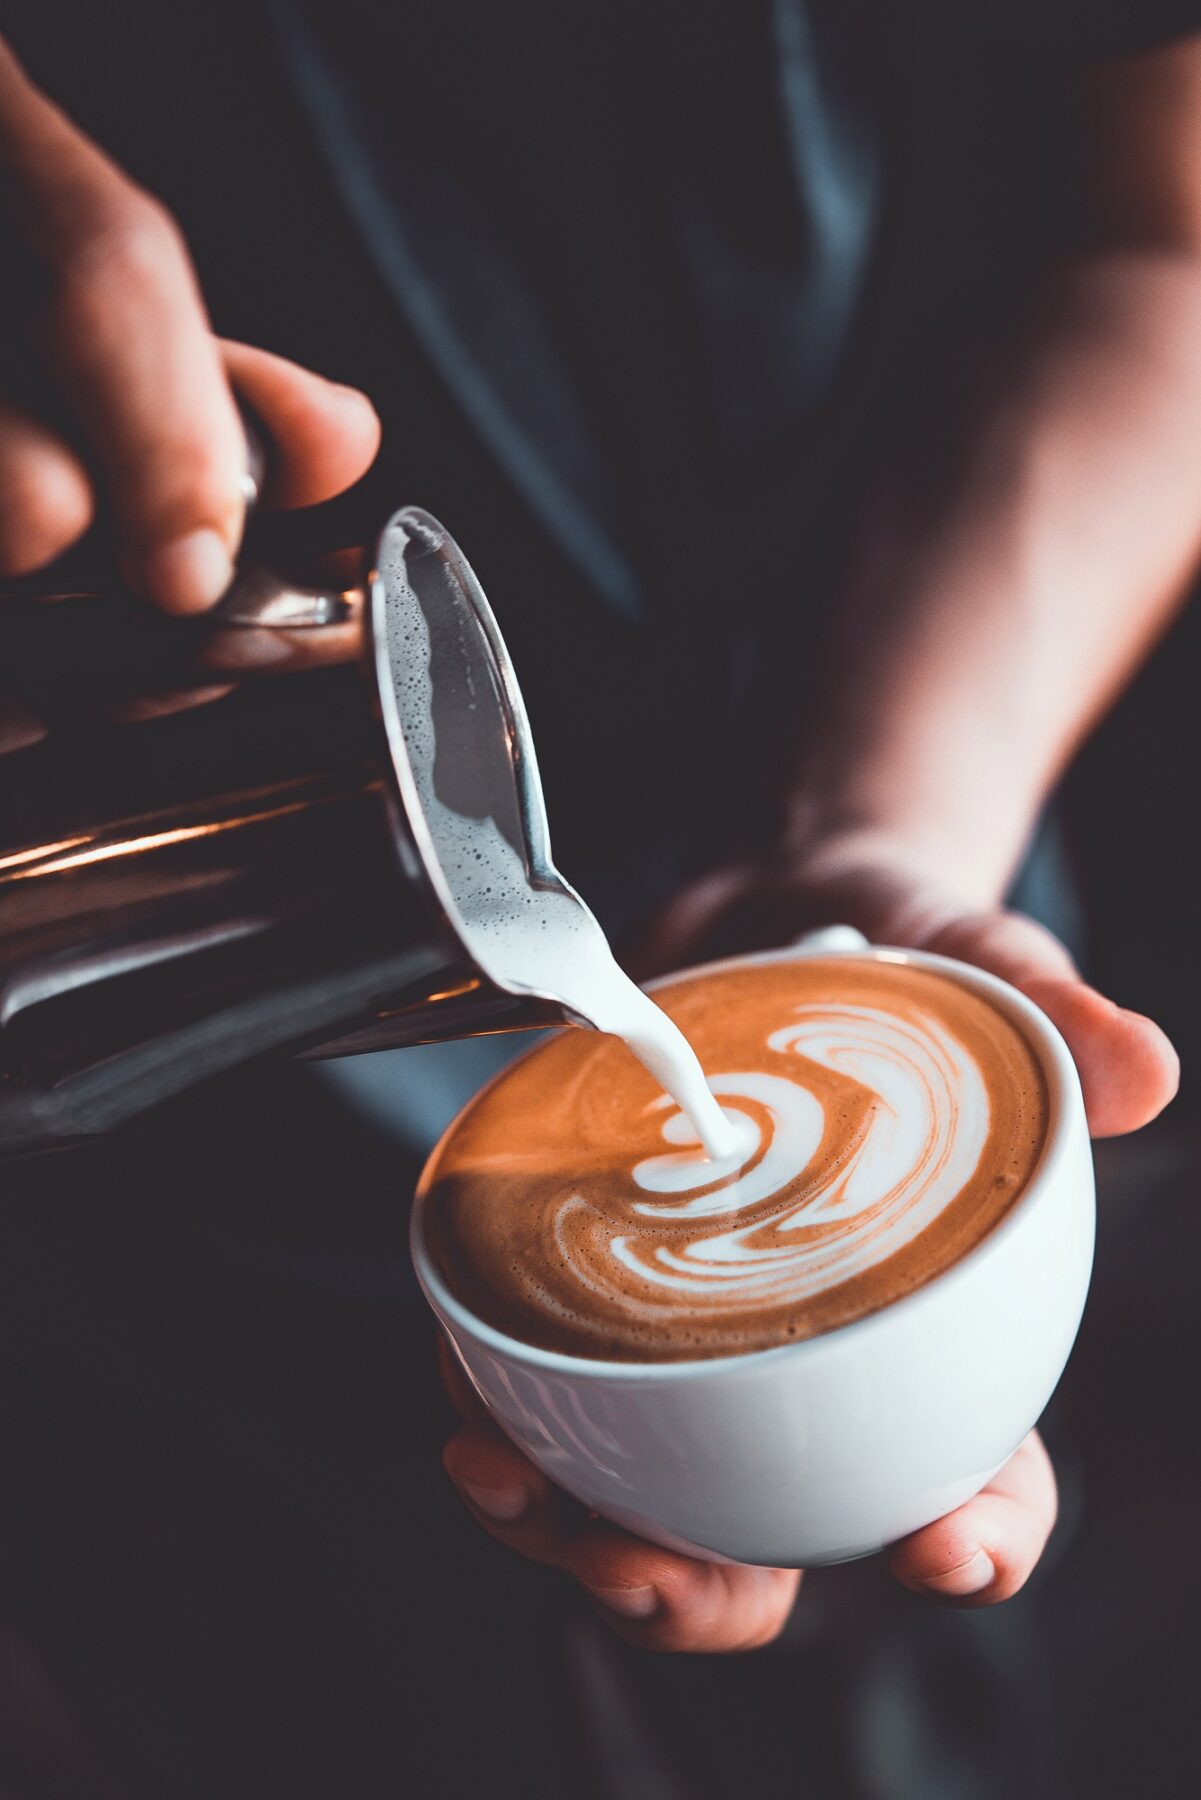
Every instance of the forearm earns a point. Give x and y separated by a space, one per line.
986 629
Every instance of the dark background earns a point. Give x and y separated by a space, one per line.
1129 808
229 1562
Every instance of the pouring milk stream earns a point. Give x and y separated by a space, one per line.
526 935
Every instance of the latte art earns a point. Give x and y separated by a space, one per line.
764 1229
885 1118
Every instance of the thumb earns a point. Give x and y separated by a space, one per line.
1129 1070
325 435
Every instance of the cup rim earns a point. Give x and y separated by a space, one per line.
1063 1088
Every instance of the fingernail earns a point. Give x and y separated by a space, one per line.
627 1602
349 396
970 1577
191 572
250 647
505 1504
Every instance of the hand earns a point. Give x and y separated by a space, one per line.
1128 1069
979 1554
652 1597
114 393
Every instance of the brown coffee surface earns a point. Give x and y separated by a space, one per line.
891 1117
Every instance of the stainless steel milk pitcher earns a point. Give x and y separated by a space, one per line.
210 843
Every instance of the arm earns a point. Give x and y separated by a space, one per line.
1004 594
989 621
1005 615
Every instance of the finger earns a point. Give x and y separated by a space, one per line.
1007 943
463 1396
985 1551
273 650
45 495
324 436
660 1600
141 708
511 1499
1129 1070
652 1596
123 332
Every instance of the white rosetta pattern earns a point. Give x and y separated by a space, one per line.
769 1229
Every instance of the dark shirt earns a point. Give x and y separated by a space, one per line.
628 285
631 285
633 241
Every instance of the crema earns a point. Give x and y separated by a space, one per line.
883 1120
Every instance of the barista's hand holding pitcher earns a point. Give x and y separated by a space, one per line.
114 392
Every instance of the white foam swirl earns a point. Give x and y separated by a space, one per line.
922 1137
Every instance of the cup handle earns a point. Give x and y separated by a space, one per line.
831 940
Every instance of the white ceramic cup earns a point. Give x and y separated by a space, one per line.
832 1447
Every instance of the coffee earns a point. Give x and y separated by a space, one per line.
888 1118
519 920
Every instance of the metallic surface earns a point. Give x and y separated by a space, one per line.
207 845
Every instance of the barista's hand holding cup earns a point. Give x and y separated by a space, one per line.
813 1355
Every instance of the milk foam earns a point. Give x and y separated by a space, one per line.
891 1117
526 937
924 1137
